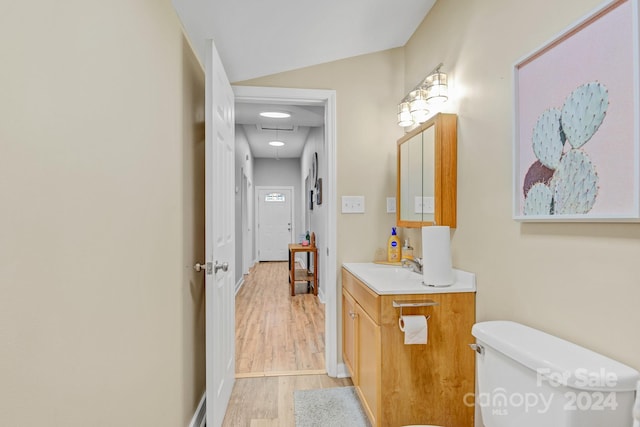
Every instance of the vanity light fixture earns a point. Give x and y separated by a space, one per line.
404 114
433 90
437 88
418 105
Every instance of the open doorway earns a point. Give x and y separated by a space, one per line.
318 160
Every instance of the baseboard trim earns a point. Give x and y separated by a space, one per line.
281 373
200 416
239 284
342 371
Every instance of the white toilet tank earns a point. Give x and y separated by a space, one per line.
528 378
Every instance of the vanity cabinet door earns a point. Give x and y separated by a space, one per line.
349 320
368 353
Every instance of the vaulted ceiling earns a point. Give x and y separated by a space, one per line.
256 38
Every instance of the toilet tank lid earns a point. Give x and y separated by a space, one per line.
555 360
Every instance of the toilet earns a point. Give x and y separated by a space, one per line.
528 378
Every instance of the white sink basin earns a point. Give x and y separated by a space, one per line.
394 273
389 279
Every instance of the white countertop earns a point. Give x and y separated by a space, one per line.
394 280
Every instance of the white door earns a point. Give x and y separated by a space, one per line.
274 223
219 207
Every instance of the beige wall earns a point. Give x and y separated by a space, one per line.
578 281
100 318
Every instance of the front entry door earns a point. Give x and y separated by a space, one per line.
219 243
274 224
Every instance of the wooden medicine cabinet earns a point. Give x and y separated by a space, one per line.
427 178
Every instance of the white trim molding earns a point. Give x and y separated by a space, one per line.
275 95
199 418
342 371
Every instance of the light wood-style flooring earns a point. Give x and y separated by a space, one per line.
279 349
275 332
268 401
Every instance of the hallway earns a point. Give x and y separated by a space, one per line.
277 334
279 348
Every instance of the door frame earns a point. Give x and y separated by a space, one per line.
327 98
291 190
247 227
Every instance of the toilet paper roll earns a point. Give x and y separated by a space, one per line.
414 328
436 256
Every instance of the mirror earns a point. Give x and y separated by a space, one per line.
427 179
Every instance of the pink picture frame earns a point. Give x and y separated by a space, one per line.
576 128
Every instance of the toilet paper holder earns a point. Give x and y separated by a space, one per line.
402 304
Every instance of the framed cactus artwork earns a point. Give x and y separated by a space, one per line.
576 147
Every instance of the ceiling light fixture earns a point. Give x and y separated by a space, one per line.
433 90
275 114
276 142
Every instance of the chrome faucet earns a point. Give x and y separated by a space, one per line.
415 264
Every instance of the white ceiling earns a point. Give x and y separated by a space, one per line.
256 38
292 131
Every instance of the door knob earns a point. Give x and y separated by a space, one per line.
199 267
224 266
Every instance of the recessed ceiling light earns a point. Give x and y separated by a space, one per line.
276 143
275 114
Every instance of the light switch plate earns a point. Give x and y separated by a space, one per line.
391 205
352 204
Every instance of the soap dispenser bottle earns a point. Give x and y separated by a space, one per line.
393 247
407 250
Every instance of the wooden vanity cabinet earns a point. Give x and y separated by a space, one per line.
402 384
361 343
349 334
368 360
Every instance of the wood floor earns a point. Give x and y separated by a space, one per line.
279 349
275 332
268 401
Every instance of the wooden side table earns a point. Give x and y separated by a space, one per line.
301 274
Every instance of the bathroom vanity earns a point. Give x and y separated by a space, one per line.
402 384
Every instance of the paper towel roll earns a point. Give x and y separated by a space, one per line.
436 256
414 328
